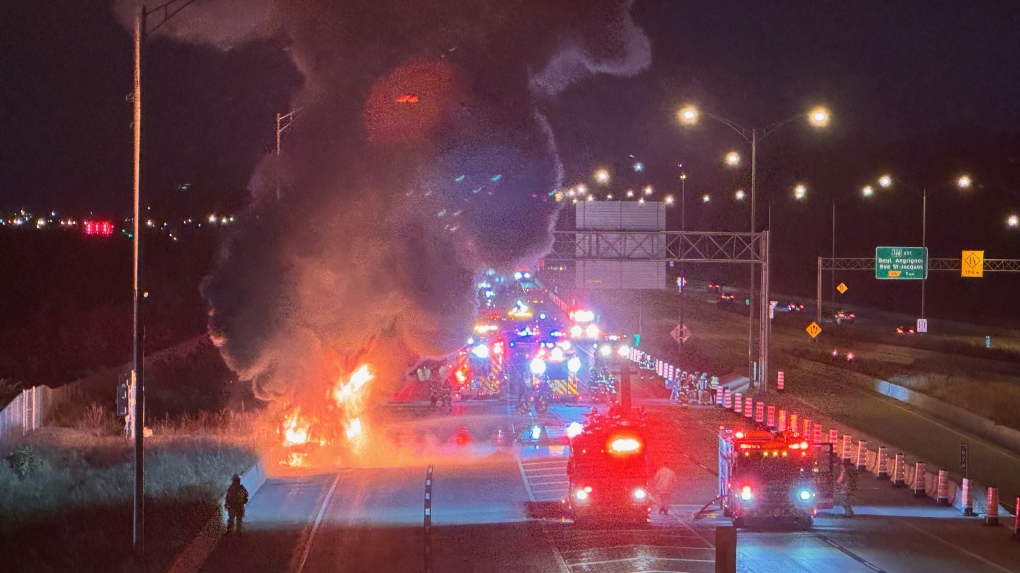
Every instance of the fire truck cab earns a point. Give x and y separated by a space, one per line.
556 367
770 477
608 473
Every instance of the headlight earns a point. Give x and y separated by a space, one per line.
623 351
640 493
576 331
745 493
574 364
538 367
581 494
481 351
804 495
591 331
605 351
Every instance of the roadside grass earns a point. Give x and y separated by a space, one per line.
66 492
719 344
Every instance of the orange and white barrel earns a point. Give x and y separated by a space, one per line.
793 423
862 453
899 470
833 436
942 492
882 468
817 438
848 447
807 428
748 407
759 412
728 399
967 498
738 403
781 420
770 418
992 512
919 479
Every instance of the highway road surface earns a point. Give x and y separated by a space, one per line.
496 508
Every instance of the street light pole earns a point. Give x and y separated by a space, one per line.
924 240
138 351
283 121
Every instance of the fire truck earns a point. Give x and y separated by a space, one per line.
480 368
608 471
767 477
556 368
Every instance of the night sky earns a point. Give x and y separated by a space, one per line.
927 89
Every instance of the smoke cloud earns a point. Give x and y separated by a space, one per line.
420 155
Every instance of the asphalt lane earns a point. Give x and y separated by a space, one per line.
487 514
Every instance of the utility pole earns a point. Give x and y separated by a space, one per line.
751 369
283 121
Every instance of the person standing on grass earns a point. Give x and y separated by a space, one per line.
237 497
665 483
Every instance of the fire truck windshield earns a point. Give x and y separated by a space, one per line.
772 468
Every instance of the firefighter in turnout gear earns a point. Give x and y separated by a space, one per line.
237 498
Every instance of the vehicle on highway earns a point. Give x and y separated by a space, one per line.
727 297
789 306
904 330
714 287
767 477
843 316
608 471
480 369
557 366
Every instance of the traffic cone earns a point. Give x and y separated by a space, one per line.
846 453
771 417
759 412
967 498
833 436
817 439
793 423
781 422
862 452
738 403
899 470
748 407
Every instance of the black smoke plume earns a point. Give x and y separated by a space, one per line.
420 155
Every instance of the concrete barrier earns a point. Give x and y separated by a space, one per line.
195 553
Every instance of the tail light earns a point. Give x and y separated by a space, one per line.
624 445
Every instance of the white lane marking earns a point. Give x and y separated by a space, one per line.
561 564
318 522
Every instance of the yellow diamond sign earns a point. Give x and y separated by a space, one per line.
972 264
813 329
842 288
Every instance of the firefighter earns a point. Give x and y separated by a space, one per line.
713 386
665 483
237 497
848 488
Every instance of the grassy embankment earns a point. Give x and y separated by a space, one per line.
66 491
954 367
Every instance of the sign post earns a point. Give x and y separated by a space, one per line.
902 263
842 288
922 325
964 458
813 329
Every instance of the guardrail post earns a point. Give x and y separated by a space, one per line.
725 549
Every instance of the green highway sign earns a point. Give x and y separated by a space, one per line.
901 263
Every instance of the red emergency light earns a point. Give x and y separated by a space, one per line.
624 445
98 228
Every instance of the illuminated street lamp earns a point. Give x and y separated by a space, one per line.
1013 221
868 191
800 191
648 190
887 181
740 195
706 198
733 159
630 193
818 117
669 199
602 176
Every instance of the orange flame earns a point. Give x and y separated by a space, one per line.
295 428
345 394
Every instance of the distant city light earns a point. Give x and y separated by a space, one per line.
868 190
98 228
669 199
799 192
648 190
740 195
705 198
964 182
885 181
639 167
602 176
1013 221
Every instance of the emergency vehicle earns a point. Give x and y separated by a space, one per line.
556 367
480 368
608 472
766 476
